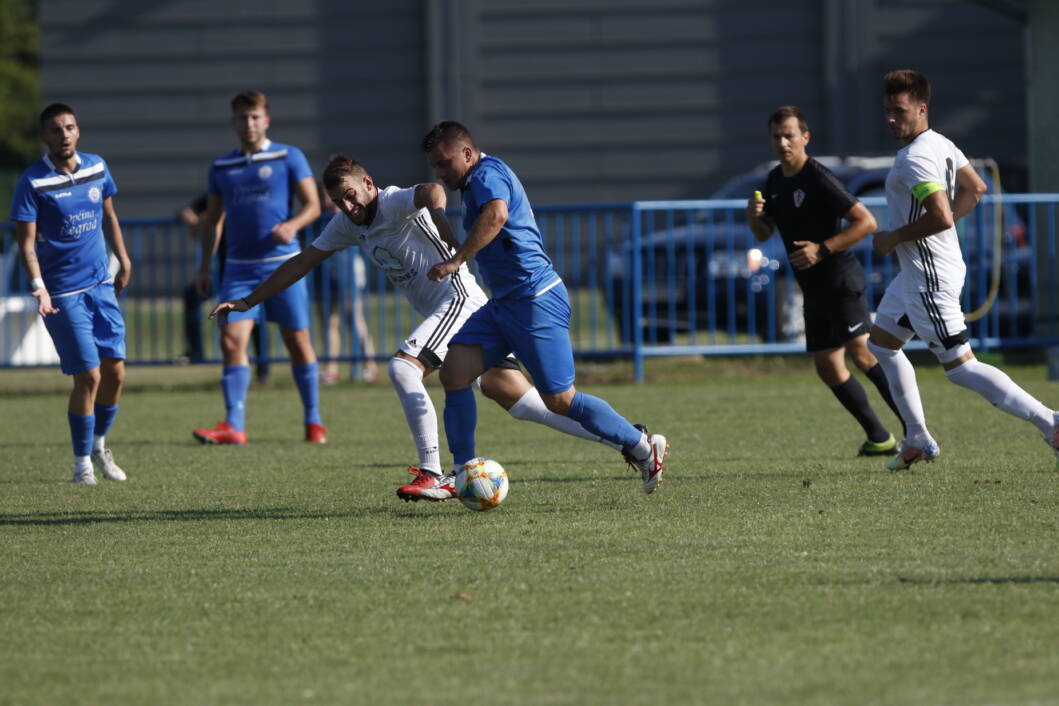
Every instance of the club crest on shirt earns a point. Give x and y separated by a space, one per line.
94 194
799 197
264 172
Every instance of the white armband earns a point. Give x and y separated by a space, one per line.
35 284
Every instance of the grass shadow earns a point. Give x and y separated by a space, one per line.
978 580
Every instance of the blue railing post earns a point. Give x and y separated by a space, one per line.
637 295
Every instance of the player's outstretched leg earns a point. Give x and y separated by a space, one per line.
510 389
1001 391
645 452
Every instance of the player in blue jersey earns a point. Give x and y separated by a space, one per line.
253 187
63 209
528 314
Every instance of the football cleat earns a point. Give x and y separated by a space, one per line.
878 448
316 433
84 474
907 455
650 466
427 486
220 434
104 461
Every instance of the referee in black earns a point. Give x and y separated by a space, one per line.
809 204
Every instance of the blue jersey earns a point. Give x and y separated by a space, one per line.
257 190
68 211
514 264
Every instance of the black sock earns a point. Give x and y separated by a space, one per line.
878 377
852 396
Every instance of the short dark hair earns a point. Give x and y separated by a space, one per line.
784 112
249 99
340 166
907 81
449 132
54 110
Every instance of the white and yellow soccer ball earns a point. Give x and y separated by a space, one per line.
481 484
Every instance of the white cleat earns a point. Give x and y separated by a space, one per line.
104 461
908 455
650 466
84 475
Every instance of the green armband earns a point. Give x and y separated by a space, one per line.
921 191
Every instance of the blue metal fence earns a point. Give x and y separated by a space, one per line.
646 279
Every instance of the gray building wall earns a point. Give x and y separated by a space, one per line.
589 100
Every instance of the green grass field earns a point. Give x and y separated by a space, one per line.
771 566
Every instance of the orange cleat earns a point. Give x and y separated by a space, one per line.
316 433
220 434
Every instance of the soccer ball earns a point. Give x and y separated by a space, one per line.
481 484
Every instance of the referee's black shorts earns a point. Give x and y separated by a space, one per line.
834 317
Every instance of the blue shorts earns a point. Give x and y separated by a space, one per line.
535 329
88 326
289 308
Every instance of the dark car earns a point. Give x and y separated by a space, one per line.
704 271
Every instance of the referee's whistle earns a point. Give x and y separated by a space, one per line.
758 196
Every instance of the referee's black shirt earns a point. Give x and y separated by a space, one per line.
810 206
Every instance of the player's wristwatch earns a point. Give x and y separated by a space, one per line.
824 251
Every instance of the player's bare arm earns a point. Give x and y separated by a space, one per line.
490 220
972 188
26 232
760 224
432 197
861 223
287 231
284 276
937 216
210 234
112 232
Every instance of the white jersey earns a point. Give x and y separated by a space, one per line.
404 243
923 166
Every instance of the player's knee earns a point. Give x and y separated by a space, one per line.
88 381
114 373
402 371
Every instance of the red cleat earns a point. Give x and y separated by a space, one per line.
427 486
316 433
220 434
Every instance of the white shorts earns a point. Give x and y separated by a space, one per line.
429 342
936 317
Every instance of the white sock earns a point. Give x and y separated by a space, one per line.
1000 390
83 463
419 412
901 377
98 444
531 408
642 449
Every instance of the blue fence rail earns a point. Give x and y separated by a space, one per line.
646 279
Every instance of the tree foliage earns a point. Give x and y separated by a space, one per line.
19 82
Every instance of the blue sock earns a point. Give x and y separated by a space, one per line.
81 432
599 417
306 377
104 418
461 417
235 381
